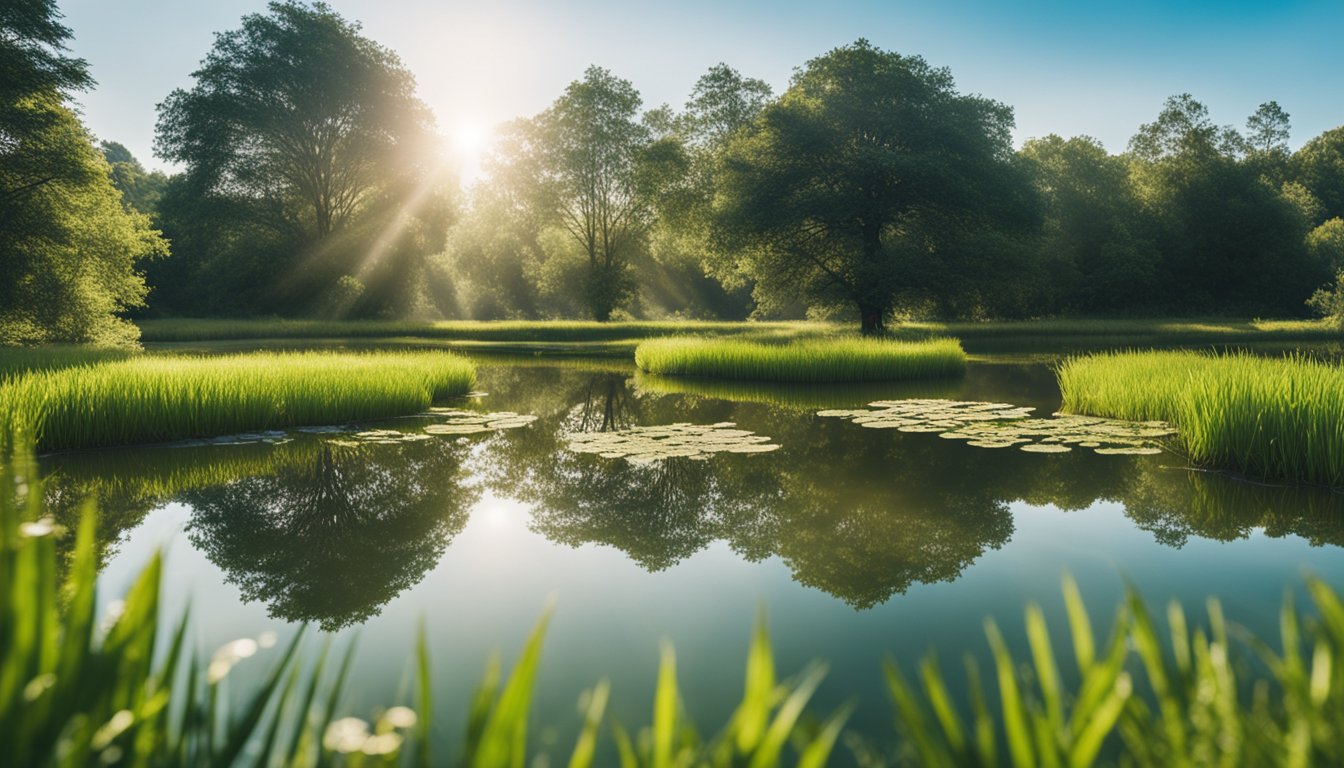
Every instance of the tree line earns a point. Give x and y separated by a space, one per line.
312 184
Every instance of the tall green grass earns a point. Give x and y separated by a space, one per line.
832 359
134 692
161 398
1270 418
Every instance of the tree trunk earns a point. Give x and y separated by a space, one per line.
872 318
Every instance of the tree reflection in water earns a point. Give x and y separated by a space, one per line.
860 514
334 540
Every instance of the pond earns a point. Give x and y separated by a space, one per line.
860 544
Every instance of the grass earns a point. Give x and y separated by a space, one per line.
17 360
536 333
555 331
156 398
1269 418
77 689
833 359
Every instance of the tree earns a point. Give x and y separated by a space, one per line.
303 130
578 163
1319 166
1267 132
1093 240
858 176
1231 239
69 250
140 189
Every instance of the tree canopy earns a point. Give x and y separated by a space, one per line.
317 158
864 171
68 251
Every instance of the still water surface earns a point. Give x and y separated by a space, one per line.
861 544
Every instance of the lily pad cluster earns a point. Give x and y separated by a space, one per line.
1001 425
454 422
645 445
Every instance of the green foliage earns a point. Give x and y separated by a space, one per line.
1325 244
578 167
71 251
848 188
1328 301
1319 166
308 158
1230 239
1094 244
161 398
140 189
836 359
1274 418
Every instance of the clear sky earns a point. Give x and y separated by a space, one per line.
1071 68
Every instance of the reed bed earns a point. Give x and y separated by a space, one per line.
824 360
134 692
153 399
1269 418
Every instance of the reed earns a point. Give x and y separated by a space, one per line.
1269 418
831 359
159 398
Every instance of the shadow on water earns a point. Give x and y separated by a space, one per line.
331 534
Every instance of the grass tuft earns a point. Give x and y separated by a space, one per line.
834 359
1270 418
152 399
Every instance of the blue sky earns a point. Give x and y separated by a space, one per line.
1090 68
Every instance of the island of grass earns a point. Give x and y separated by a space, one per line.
820 360
161 398
1268 418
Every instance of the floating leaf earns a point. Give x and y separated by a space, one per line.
645 445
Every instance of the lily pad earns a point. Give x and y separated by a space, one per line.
644 445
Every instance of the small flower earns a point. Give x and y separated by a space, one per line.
400 717
346 735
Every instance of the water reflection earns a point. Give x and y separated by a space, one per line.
331 534
333 540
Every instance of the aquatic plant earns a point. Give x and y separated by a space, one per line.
1001 425
644 445
1267 417
159 398
831 359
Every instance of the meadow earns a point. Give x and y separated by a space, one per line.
160 398
130 689
834 359
621 335
1268 418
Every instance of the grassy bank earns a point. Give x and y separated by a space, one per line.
1270 418
541 331
835 359
987 335
129 689
161 398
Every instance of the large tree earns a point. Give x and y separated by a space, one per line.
861 174
68 251
306 134
579 165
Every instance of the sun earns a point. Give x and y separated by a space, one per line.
468 141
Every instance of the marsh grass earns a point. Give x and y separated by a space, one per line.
20 360
1268 418
831 359
151 399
